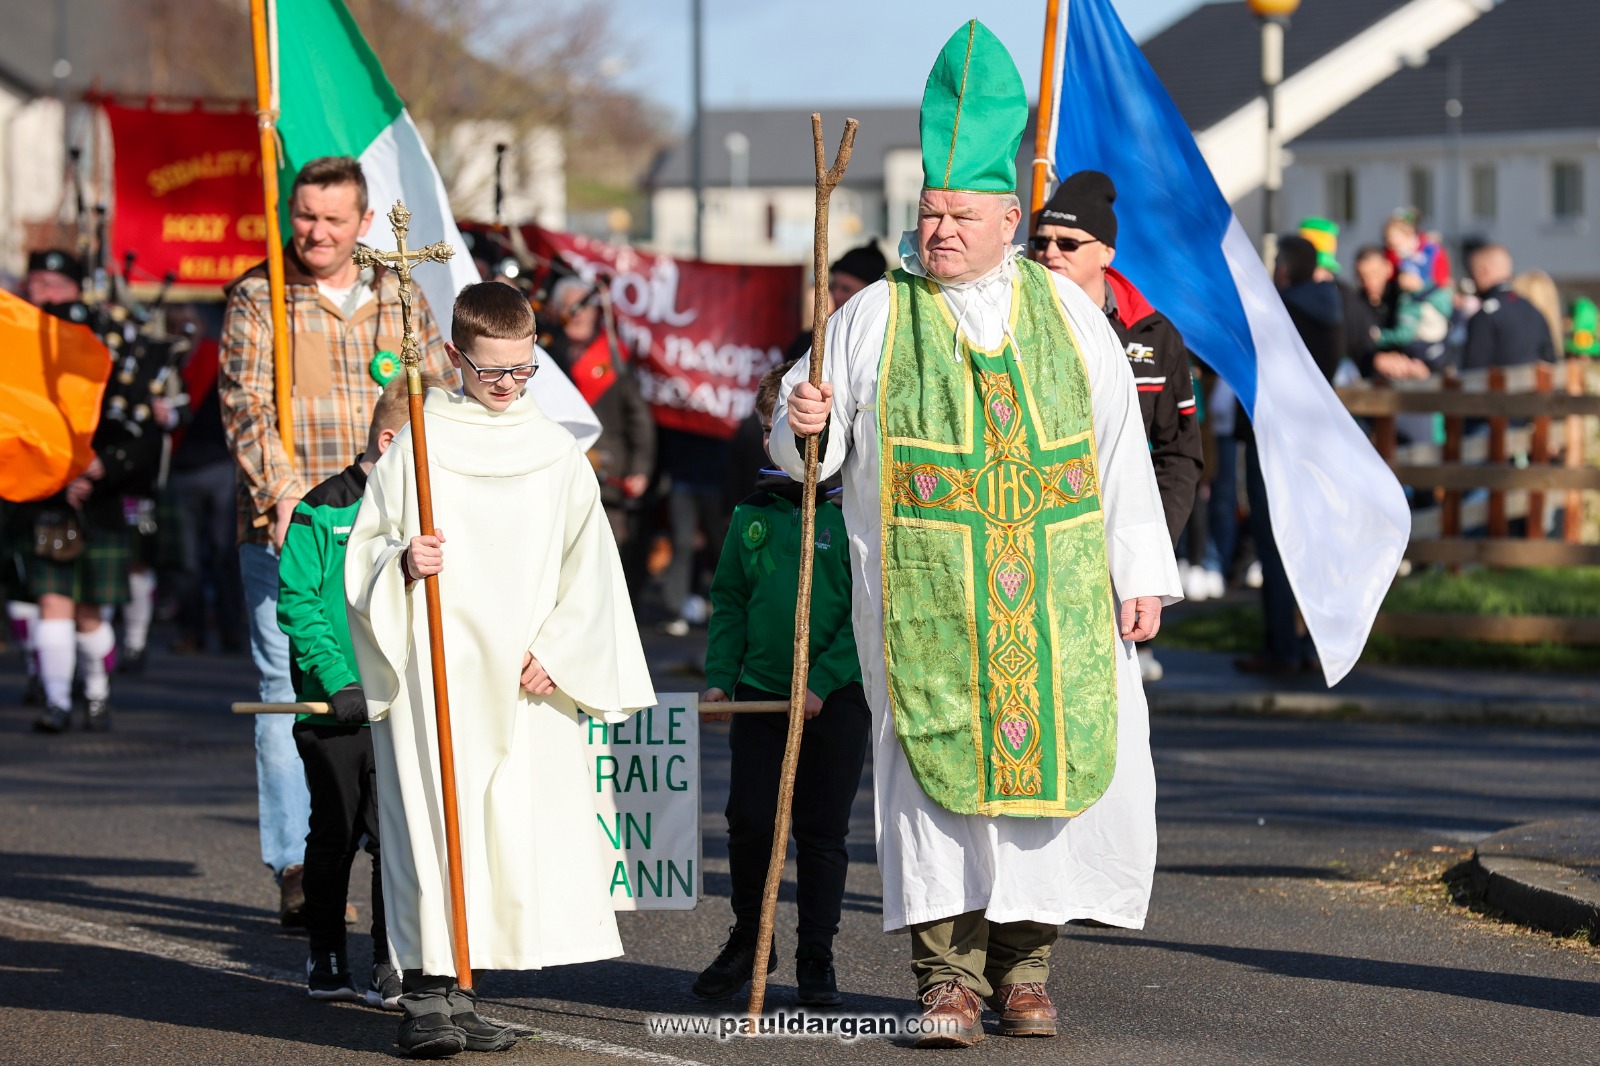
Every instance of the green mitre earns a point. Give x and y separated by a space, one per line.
974 112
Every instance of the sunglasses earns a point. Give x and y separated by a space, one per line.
1063 244
491 375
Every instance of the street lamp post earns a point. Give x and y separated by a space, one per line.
1274 16
1452 126
697 132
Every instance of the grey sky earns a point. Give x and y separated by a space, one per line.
818 52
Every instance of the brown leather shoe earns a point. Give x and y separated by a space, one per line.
1025 1010
952 1016
292 897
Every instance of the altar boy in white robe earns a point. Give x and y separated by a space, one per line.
537 625
1010 548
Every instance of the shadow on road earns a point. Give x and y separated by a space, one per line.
68 978
620 985
71 880
1543 993
1294 873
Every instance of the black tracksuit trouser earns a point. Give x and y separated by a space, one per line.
344 809
832 750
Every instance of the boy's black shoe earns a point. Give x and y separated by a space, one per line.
430 1036
98 716
733 966
818 985
328 977
383 991
481 1035
33 695
54 720
132 663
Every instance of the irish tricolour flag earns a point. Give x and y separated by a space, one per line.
333 98
1338 515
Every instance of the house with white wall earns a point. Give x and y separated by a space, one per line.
1364 107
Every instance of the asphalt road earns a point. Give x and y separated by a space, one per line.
1297 915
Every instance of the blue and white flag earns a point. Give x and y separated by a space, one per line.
1338 514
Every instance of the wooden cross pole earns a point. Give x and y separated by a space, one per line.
401 261
827 178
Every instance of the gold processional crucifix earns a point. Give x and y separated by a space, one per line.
401 261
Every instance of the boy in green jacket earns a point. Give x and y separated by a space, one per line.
750 656
336 749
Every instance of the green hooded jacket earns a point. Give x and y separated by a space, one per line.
754 591
311 609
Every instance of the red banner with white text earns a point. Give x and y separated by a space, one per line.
706 331
188 194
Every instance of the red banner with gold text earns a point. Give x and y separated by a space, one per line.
706 331
188 194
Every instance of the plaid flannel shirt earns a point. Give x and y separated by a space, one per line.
333 392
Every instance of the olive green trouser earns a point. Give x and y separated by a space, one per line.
981 954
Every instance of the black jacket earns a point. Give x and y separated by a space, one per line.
627 444
1507 331
1160 363
1317 310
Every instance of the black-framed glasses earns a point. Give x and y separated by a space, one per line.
1067 245
491 375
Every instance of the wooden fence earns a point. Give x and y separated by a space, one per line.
1526 473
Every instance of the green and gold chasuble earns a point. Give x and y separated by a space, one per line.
999 636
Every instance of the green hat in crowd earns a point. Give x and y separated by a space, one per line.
974 111
1585 336
1323 234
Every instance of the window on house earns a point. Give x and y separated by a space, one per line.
1485 191
1341 196
772 221
1566 190
1420 185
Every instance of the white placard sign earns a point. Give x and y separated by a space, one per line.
647 800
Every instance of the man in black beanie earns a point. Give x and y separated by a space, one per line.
854 271
1075 235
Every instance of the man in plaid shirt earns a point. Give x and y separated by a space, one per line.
345 333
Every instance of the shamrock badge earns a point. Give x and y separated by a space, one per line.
755 533
385 365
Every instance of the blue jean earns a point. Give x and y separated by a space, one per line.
1283 644
285 801
1222 509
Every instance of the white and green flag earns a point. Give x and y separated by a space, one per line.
333 98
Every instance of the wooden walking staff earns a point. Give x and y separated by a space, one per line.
400 261
827 178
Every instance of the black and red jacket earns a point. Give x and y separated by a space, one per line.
1160 364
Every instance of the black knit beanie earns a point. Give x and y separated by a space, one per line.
1084 202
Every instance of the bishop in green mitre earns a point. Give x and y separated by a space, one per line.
1010 547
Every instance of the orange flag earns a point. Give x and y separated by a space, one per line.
52 376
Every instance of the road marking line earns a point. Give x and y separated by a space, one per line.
136 940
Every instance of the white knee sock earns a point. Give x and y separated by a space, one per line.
53 638
94 647
140 609
24 621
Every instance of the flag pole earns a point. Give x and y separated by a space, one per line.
267 124
1043 120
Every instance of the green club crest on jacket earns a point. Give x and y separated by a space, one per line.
974 111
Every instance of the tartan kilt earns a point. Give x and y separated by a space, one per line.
99 576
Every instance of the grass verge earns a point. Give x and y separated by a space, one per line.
1236 628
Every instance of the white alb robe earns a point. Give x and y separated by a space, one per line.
529 565
935 863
